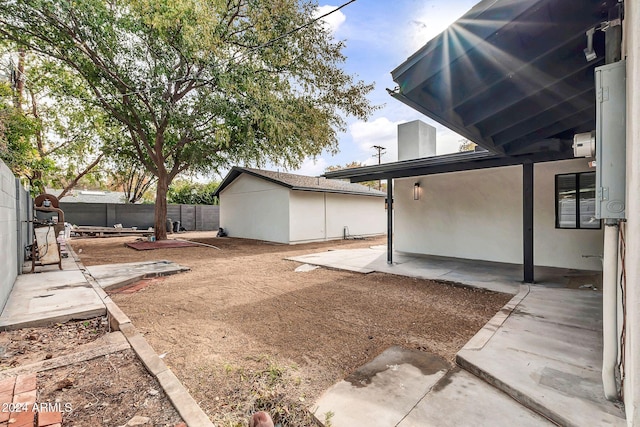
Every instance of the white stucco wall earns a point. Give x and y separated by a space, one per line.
322 216
363 215
471 214
478 215
632 347
307 216
254 208
561 247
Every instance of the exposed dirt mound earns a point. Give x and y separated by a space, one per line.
243 331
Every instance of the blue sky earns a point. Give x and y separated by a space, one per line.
379 36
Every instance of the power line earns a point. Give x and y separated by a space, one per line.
265 44
301 27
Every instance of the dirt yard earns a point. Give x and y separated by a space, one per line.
108 390
243 331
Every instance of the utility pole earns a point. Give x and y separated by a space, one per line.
379 155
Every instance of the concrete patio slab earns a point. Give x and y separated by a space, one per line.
493 276
382 392
113 276
368 260
547 354
462 399
52 296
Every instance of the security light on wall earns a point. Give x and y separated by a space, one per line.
416 191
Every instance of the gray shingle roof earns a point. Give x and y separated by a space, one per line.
86 196
301 182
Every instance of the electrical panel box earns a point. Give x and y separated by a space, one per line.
611 110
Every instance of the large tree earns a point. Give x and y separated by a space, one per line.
200 84
68 134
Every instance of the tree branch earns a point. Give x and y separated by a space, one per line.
80 175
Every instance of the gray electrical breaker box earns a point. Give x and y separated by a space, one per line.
611 109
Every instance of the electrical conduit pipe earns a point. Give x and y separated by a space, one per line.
609 310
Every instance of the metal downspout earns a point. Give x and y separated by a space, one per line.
609 310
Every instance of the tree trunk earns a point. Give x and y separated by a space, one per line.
19 80
161 206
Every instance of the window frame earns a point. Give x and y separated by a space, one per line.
577 176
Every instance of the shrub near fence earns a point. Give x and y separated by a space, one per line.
191 217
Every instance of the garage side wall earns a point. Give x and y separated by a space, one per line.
478 215
307 212
362 215
317 216
253 208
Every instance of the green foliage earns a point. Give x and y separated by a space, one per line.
378 185
53 137
466 145
17 132
190 193
200 85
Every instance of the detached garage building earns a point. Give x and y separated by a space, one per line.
287 208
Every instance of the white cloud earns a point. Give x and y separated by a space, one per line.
447 141
382 132
311 167
333 21
431 20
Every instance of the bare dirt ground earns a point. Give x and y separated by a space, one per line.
243 331
105 391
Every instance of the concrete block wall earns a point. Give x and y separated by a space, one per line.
14 230
191 217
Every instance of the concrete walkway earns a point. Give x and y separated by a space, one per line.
547 354
52 295
541 354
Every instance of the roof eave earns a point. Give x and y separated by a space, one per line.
458 162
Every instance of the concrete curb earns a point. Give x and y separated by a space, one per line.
22 322
479 340
184 403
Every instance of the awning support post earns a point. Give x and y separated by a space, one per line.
389 221
527 221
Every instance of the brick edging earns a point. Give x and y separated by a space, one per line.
179 396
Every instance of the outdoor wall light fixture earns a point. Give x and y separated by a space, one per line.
416 191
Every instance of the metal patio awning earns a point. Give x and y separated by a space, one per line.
511 75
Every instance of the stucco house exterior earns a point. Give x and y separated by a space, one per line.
522 79
477 214
288 208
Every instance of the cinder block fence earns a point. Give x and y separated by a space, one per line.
16 208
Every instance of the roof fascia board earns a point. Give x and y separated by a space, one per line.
349 193
408 164
396 170
236 171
